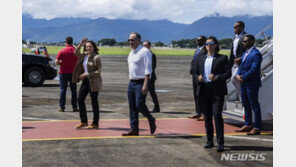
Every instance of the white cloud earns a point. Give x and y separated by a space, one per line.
175 10
244 7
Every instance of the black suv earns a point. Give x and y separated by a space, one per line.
37 68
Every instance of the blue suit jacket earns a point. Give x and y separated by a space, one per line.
250 69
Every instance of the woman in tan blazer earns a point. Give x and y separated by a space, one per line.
88 70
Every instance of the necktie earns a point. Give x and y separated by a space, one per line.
245 56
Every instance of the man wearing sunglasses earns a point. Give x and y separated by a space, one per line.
140 69
249 76
236 52
200 42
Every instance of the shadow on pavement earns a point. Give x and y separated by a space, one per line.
28 127
176 112
44 85
176 136
248 148
121 129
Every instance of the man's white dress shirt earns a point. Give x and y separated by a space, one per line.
139 63
235 43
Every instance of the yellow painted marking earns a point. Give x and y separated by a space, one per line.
80 138
116 137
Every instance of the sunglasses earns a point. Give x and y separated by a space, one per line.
210 43
236 27
245 41
130 40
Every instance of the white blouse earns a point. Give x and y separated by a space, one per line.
85 64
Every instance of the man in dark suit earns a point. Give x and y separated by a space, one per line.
249 76
236 52
200 42
212 73
151 83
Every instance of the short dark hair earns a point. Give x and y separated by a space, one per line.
216 42
96 49
138 36
250 37
69 40
149 43
241 24
203 39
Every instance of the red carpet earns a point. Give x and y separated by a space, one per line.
59 130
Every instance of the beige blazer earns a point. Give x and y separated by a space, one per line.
94 68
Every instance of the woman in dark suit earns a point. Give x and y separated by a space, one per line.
213 73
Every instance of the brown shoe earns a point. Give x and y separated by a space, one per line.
194 116
81 125
93 126
75 110
244 129
254 131
201 118
131 133
61 110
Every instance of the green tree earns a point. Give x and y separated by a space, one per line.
159 44
225 43
107 41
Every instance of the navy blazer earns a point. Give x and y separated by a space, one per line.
194 65
250 69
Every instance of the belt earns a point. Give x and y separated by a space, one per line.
137 80
208 84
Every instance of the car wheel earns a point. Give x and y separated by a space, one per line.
34 76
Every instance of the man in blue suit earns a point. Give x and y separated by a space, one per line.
249 76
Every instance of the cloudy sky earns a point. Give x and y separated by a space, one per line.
180 11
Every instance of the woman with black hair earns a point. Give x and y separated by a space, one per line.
88 69
212 75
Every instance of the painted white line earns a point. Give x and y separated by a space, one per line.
43 119
249 138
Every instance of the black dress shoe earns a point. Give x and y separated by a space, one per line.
131 133
220 148
209 145
152 126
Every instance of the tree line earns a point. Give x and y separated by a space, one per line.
183 43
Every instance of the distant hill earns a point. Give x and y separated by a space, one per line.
222 27
55 30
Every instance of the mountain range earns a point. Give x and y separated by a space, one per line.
55 30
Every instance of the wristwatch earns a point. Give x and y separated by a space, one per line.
216 77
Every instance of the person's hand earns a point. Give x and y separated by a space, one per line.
82 42
82 76
190 72
239 78
212 77
237 60
144 89
199 79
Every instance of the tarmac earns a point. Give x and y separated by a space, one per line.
49 137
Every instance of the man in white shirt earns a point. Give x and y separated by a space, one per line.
236 52
140 69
